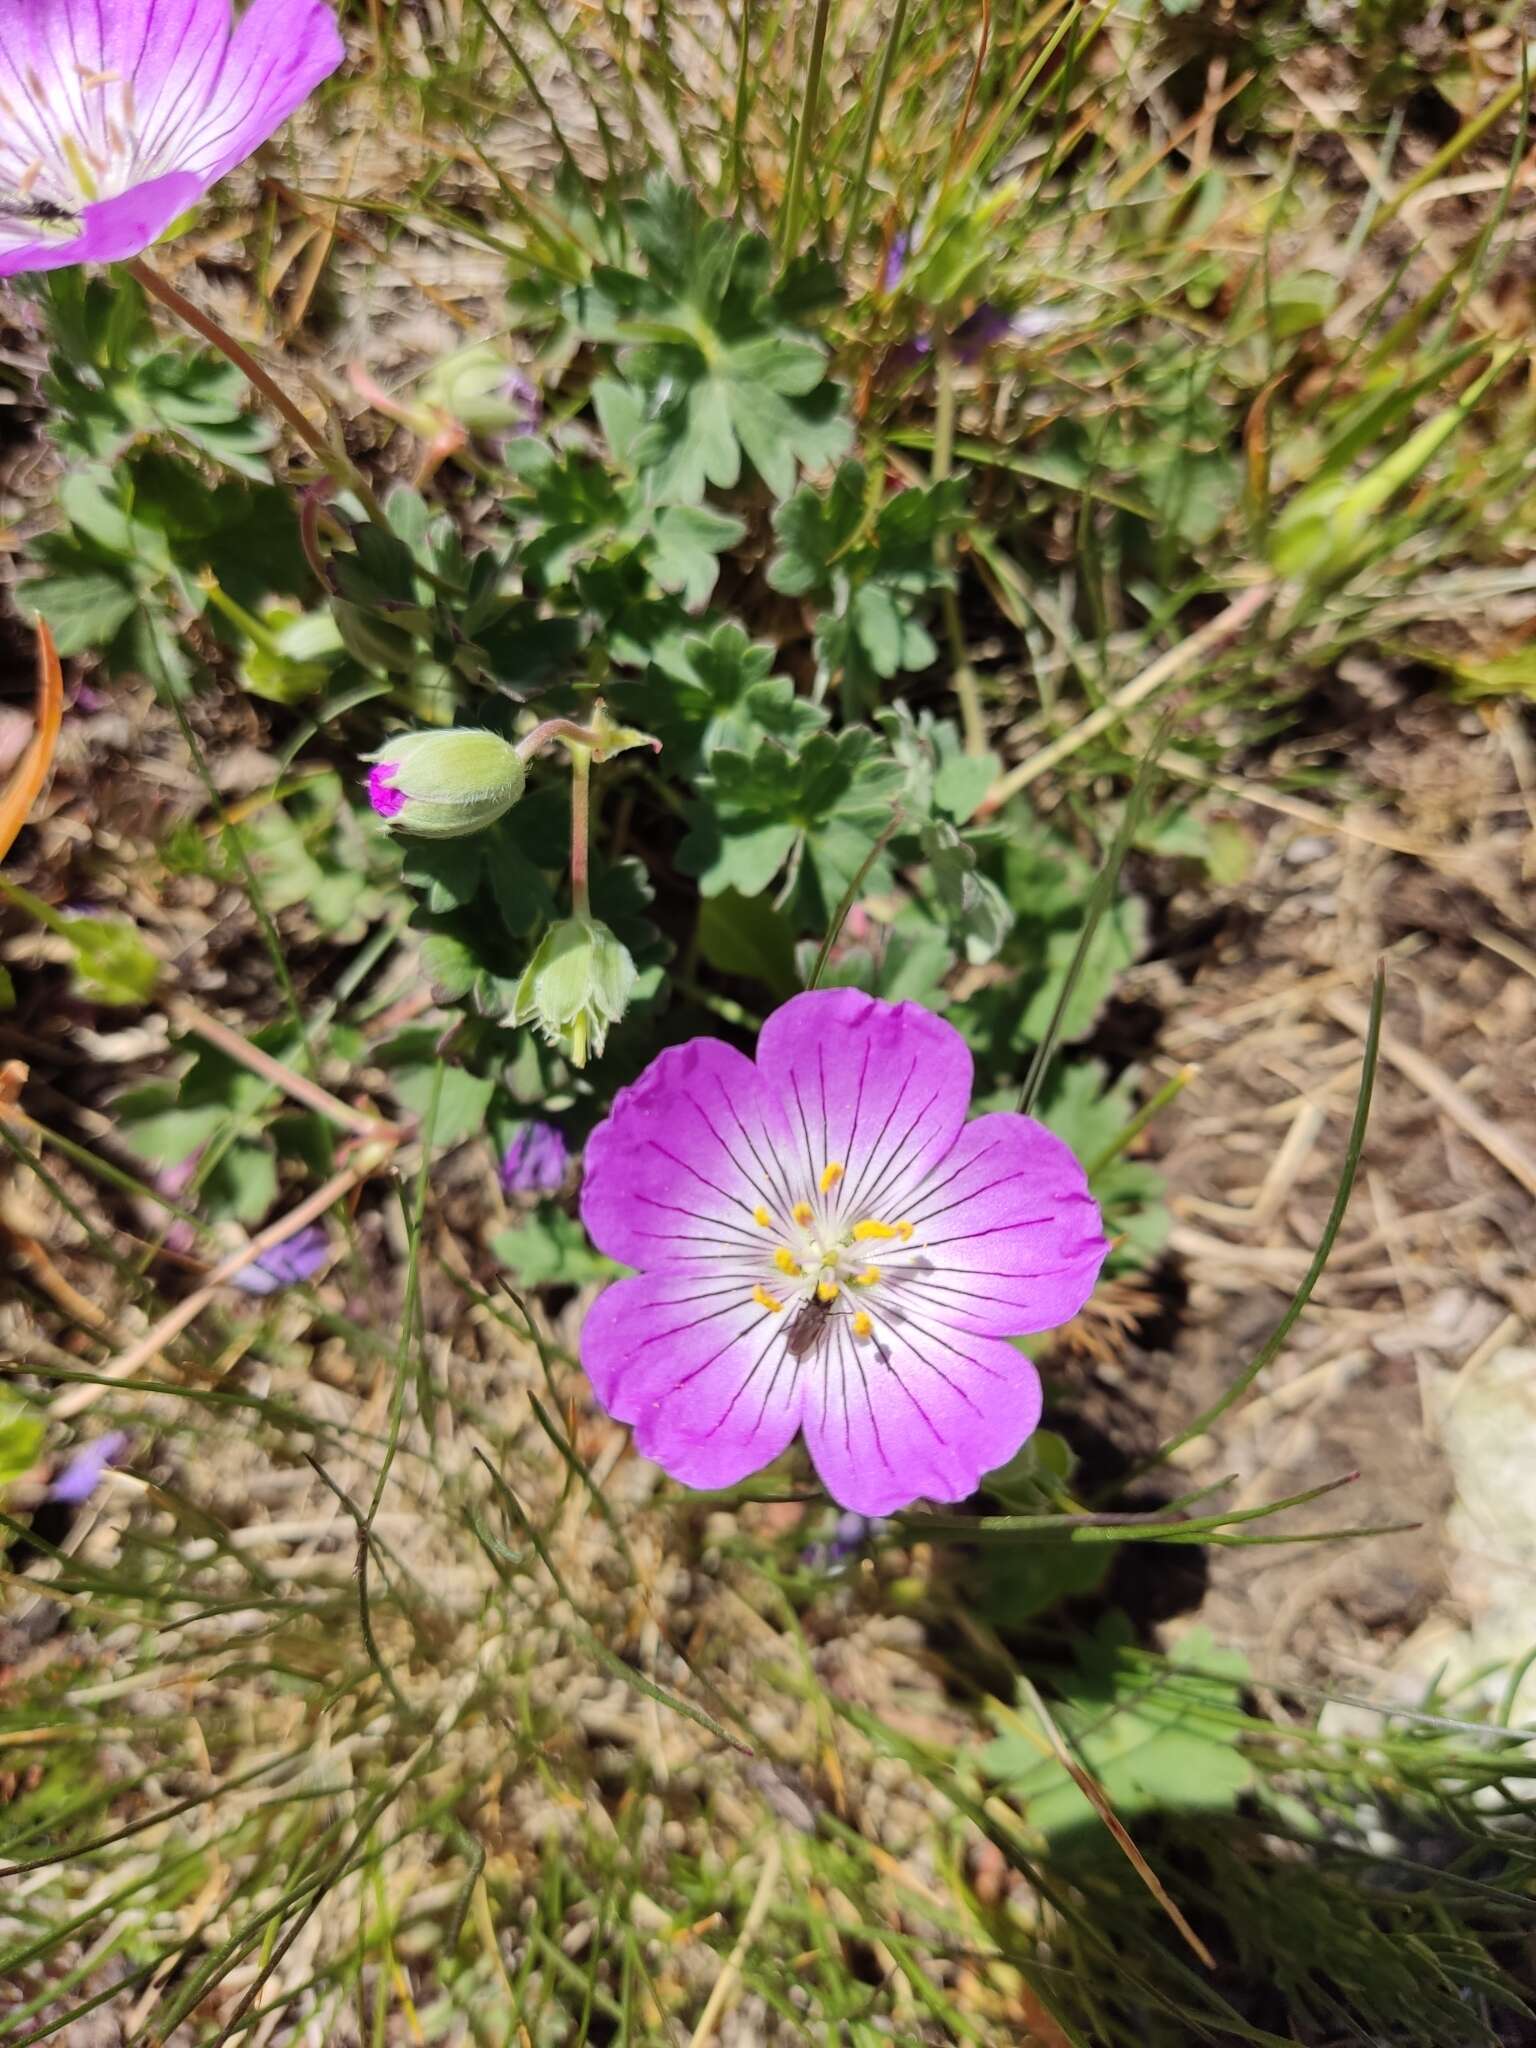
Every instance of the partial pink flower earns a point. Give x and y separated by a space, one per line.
826 1244
117 115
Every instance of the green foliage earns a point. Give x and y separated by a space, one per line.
21 1437
314 850
550 1249
141 542
111 379
823 804
715 351
1079 1108
448 1097
1153 1740
867 563
112 964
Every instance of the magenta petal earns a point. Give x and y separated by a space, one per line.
681 1162
699 1369
916 1412
144 102
880 1089
388 801
111 230
281 50
1005 1235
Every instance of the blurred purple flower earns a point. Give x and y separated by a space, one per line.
534 1162
120 114
83 1473
981 330
295 1259
520 390
895 261
850 1533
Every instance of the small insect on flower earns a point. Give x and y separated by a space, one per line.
826 1244
118 115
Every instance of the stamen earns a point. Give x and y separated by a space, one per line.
764 1299
863 1232
29 176
761 1218
831 1174
903 1230
90 79
861 1323
867 1278
786 1262
802 1213
828 1290
81 169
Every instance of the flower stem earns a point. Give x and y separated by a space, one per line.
578 736
974 725
581 806
335 462
855 206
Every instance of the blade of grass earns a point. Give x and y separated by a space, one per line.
1271 1348
1098 903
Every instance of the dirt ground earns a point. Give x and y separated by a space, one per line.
1431 1275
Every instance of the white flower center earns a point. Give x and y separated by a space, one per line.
67 146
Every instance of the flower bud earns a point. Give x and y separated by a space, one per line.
480 389
576 985
441 785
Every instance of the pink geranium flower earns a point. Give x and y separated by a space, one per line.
117 115
826 1244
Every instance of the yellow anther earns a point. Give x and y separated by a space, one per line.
862 1232
764 1299
903 1230
828 1290
861 1323
830 1176
867 1278
786 1262
761 1218
80 167
802 1212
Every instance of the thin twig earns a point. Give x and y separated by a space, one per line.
186 1016
364 1162
25 785
725 1983
1166 669
333 460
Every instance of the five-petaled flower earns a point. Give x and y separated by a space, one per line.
826 1244
118 115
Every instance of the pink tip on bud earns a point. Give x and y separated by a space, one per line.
388 801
